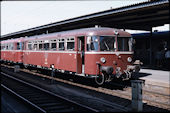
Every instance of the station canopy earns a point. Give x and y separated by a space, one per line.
140 16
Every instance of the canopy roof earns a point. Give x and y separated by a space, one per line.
141 16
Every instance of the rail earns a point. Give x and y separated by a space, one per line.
150 96
41 99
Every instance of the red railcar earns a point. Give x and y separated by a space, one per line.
12 50
103 53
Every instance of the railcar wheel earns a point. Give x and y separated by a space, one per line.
100 79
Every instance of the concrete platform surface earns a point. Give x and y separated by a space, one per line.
156 77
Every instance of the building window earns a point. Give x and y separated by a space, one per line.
70 44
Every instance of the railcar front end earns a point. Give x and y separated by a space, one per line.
111 57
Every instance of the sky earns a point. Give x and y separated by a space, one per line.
21 15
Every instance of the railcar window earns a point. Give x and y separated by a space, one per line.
53 45
124 43
46 46
12 46
19 46
40 46
7 47
29 46
92 43
35 47
70 44
107 43
61 44
3 47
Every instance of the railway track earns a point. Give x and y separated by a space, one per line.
149 96
41 99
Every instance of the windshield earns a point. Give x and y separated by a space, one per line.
124 43
107 43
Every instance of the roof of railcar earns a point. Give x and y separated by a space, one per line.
81 32
76 32
13 40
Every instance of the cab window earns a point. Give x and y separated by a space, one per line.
92 43
107 43
124 43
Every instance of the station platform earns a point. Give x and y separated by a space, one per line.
155 77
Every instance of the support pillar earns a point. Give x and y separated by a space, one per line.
150 46
137 104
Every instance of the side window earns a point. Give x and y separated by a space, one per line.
6 46
35 46
40 45
46 46
61 44
70 43
29 46
2 46
9 46
53 44
19 46
12 46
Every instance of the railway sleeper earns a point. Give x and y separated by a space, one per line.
63 110
50 104
40 101
59 108
32 97
25 92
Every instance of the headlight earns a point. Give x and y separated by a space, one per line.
103 60
129 59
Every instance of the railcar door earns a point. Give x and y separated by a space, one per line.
80 54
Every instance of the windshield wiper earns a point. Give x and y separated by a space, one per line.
106 45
